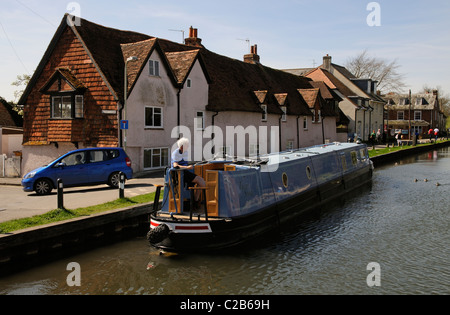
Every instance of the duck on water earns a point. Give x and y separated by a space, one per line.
246 199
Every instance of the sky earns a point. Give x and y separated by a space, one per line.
289 33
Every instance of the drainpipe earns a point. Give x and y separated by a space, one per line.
178 111
213 136
364 125
322 118
279 132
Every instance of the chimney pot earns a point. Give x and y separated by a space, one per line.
193 39
252 57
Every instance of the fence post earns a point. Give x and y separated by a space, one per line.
121 185
60 194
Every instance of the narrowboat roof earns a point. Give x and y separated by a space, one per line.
286 156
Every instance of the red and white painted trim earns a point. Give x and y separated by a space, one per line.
184 227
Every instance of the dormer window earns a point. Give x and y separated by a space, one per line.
404 101
419 101
66 95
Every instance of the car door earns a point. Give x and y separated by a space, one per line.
100 165
72 169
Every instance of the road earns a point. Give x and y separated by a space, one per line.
16 204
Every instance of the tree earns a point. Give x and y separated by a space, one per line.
377 69
21 82
444 99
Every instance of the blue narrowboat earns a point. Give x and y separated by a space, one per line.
246 199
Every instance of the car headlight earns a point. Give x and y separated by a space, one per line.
29 175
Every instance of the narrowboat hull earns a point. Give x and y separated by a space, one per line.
184 232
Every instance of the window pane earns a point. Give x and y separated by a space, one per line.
75 159
157 68
156 158
66 107
149 116
151 67
56 107
157 118
148 158
165 157
97 156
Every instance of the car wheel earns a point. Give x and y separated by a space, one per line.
114 180
43 187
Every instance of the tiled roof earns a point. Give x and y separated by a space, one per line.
331 81
428 101
181 63
68 76
232 82
6 119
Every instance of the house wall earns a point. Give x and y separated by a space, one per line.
348 108
37 156
160 92
95 129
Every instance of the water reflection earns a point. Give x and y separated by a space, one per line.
401 223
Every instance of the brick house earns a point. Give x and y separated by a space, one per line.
422 110
360 102
75 98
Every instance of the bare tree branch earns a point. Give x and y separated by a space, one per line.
386 73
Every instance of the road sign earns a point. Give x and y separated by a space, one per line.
124 124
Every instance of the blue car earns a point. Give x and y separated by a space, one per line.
78 168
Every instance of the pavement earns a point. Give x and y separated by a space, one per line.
16 204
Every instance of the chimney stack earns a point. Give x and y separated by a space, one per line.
327 63
193 40
253 56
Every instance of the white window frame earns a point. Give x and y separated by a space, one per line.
305 122
160 158
264 114
402 114
153 66
198 119
62 98
188 83
313 111
162 116
284 116
319 112
290 145
417 112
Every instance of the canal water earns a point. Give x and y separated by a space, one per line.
393 238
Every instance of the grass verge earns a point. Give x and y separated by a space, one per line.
66 214
375 152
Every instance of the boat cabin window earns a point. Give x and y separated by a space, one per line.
354 158
308 172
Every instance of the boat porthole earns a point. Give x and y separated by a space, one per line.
285 180
308 172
